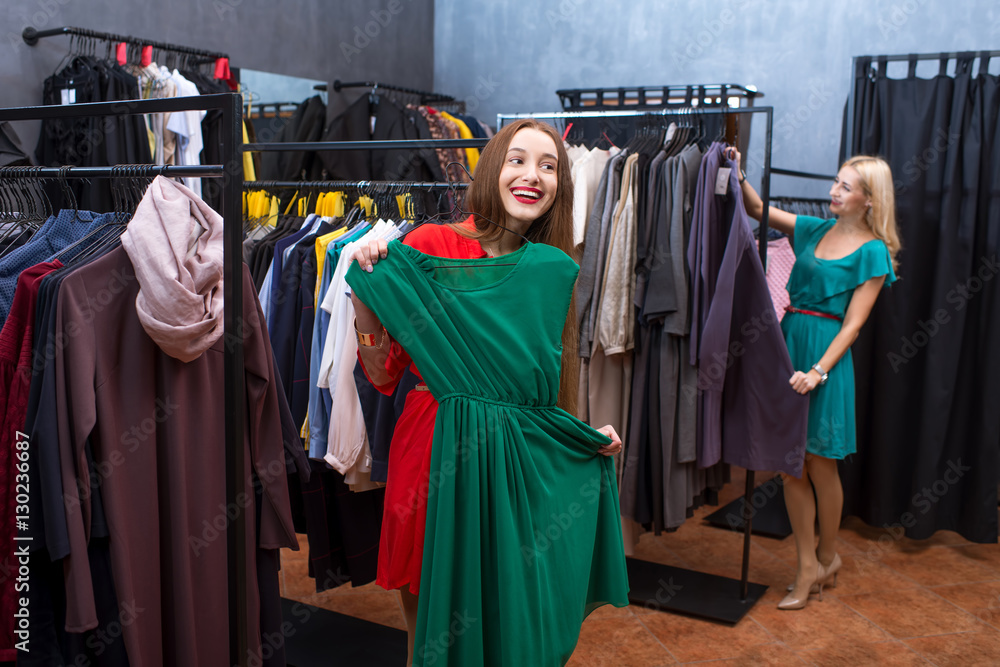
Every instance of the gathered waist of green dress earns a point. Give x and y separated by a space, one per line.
494 401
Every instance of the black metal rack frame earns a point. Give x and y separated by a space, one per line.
365 145
31 37
232 174
359 185
718 606
656 97
802 174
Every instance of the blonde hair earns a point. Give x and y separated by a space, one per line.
876 183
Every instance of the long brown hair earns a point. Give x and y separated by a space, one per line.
554 227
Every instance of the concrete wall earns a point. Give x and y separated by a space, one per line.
384 40
509 56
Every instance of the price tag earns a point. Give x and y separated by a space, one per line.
68 95
722 181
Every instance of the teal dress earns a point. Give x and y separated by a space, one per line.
826 286
523 535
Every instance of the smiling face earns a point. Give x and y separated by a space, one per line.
528 180
847 197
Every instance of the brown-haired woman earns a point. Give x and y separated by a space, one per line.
523 184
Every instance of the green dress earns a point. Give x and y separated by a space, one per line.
523 534
826 286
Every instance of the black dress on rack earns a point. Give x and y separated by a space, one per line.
92 141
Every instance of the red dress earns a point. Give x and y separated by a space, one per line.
402 541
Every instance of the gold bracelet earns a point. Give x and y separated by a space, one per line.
367 339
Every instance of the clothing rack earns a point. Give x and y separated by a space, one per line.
709 596
272 109
333 185
391 144
31 36
861 66
124 171
802 174
424 96
657 97
230 105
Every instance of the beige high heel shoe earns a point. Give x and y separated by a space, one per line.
831 576
792 603
830 571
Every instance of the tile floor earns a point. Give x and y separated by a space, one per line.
898 602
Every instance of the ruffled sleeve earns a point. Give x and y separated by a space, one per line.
875 261
807 228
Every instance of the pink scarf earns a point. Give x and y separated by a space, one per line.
175 243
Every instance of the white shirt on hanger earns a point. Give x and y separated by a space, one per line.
187 126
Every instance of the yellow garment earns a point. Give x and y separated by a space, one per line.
249 174
295 199
403 203
322 243
366 203
272 218
471 154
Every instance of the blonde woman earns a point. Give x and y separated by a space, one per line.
841 266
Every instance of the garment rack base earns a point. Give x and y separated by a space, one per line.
770 518
318 638
677 590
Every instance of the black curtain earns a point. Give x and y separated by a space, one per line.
928 363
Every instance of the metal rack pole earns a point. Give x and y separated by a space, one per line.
31 36
328 185
366 145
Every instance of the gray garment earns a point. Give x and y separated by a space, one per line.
645 254
660 479
586 280
682 187
686 404
678 393
599 246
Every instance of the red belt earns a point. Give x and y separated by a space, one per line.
793 309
